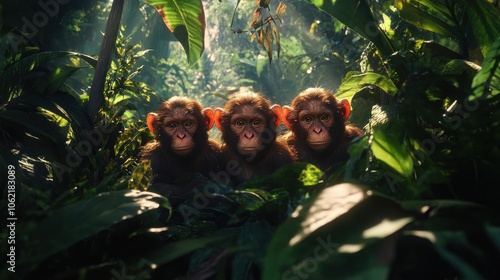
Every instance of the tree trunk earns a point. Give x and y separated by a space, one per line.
105 53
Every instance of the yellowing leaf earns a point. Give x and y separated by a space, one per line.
277 34
280 10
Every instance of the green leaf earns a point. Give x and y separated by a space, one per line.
70 224
452 18
36 124
13 73
52 81
485 22
355 83
429 15
173 251
486 83
292 177
356 15
392 151
186 20
337 234
61 103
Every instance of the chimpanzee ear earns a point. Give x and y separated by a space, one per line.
345 108
209 117
150 120
217 117
277 112
285 111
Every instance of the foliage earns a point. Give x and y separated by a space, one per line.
347 231
186 20
262 27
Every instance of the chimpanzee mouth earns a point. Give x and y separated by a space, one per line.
318 146
185 149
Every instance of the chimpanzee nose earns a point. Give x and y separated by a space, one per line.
248 135
317 130
181 136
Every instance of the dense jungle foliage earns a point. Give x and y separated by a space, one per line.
419 197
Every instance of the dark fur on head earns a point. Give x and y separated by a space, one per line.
237 101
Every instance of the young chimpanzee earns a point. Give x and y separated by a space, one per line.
248 123
181 145
319 134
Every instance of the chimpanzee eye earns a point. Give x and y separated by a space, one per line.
188 124
257 122
240 123
172 125
325 117
308 119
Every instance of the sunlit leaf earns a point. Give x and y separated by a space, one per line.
391 151
280 10
486 83
342 231
54 80
186 20
422 14
256 20
355 83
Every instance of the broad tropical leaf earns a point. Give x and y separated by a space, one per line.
391 151
356 15
356 83
450 18
186 20
431 15
487 82
13 73
70 224
337 234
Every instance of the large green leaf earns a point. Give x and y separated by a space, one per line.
356 15
450 18
338 234
485 22
186 20
356 83
486 83
13 73
36 124
70 224
391 151
52 81
60 103
432 15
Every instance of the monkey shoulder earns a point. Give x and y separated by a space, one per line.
149 150
352 131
